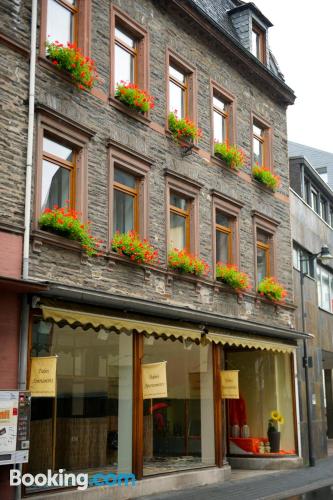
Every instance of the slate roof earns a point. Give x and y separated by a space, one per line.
217 10
317 157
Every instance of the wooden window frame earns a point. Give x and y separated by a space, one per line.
139 166
266 140
190 105
134 192
231 208
62 129
220 92
141 71
186 214
189 189
82 25
268 226
262 56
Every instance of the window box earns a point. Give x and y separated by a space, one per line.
132 246
65 222
69 59
271 289
184 262
265 177
231 155
231 276
183 129
134 98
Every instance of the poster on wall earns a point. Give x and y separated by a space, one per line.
229 384
43 377
154 380
8 422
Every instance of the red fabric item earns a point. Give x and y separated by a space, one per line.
237 412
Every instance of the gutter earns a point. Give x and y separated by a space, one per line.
170 311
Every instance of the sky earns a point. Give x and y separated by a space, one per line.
302 42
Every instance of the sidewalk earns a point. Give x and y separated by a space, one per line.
269 486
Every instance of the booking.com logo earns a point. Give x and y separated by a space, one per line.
62 479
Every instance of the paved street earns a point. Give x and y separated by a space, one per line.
268 486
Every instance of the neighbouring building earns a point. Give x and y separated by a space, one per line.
107 317
321 161
311 204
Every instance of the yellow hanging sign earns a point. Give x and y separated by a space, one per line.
43 377
229 384
154 380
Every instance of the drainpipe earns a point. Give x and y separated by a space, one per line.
23 350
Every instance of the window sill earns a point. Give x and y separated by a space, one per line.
182 144
325 310
39 237
143 118
262 186
215 160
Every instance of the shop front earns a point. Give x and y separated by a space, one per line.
137 396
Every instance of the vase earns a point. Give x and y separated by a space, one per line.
274 439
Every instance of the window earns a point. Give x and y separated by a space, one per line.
265 232
263 255
314 199
325 288
258 43
226 212
302 258
178 101
128 191
58 175
323 209
261 143
331 216
182 212
129 51
179 222
65 21
180 87
125 201
307 194
61 163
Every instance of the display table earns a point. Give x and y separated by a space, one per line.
246 446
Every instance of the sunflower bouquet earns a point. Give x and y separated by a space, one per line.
275 420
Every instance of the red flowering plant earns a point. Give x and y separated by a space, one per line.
183 129
184 262
265 176
231 155
230 275
270 288
81 68
131 245
133 97
66 222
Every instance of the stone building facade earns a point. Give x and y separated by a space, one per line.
109 294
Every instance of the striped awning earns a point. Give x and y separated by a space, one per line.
249 341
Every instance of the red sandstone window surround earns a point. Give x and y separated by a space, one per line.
264 231
223 116
261 134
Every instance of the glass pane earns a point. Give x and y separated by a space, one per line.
261 264
325 290
59 25
296 258
219 104
265 385
219 127
124 37
257 151
124 65
258 131
176 74
176 99
178 201
179 429
222 247
55 185
223 220
57 149
177 231
123 212
124 178
314 200
255 44
263 237
94 401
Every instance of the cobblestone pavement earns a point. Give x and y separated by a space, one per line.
275 486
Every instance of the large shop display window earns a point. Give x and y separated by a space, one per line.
88 426
179 428
265 402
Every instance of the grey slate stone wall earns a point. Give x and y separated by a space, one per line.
166 30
